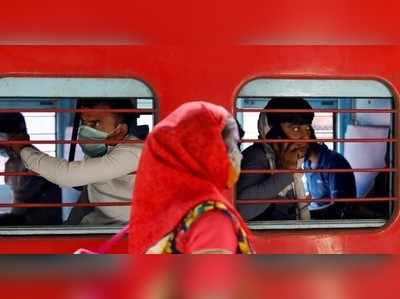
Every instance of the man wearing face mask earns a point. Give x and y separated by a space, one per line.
277 125
26 189
107 170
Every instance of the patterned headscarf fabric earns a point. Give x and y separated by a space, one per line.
184 163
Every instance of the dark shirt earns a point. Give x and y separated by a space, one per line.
329 185
33 190
263 186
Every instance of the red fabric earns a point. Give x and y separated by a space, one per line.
184 162
203 235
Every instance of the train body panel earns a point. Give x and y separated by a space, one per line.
184 56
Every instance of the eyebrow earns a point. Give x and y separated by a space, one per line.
298 125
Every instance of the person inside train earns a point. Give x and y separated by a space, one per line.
26 189
326 185
108 168
291 156
276 125
182 207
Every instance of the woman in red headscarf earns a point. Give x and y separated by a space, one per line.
188 160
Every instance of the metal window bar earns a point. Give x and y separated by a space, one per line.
63 229
66 110
61 205
316 110
243 201
322 200
272 171
301 224
247 171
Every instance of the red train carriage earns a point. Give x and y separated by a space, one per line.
340 56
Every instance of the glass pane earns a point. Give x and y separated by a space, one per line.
323 127
40 123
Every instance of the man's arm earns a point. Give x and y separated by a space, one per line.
122 160
259 186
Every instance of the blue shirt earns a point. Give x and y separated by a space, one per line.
329 185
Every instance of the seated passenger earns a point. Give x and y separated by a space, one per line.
107 170
181 207
276 155
326 185
26 189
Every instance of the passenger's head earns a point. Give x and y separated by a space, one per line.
10 124
107 121
289 125
101 125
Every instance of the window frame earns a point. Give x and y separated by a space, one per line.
19 88
325 88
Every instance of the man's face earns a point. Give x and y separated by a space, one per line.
295 131
102 121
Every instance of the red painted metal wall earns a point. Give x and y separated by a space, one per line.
207 51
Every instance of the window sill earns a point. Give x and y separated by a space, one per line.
316 224
60 230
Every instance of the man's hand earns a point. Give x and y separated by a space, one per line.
287 154
18 147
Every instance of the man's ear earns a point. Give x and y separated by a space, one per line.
119 132
124 129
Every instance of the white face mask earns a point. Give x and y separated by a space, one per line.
94 149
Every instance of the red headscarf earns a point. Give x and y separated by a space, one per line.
184 163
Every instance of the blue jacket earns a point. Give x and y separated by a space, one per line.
329 185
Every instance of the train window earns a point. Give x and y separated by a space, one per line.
61 114
345 174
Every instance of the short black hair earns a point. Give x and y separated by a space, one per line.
12 123
113 103
300 118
